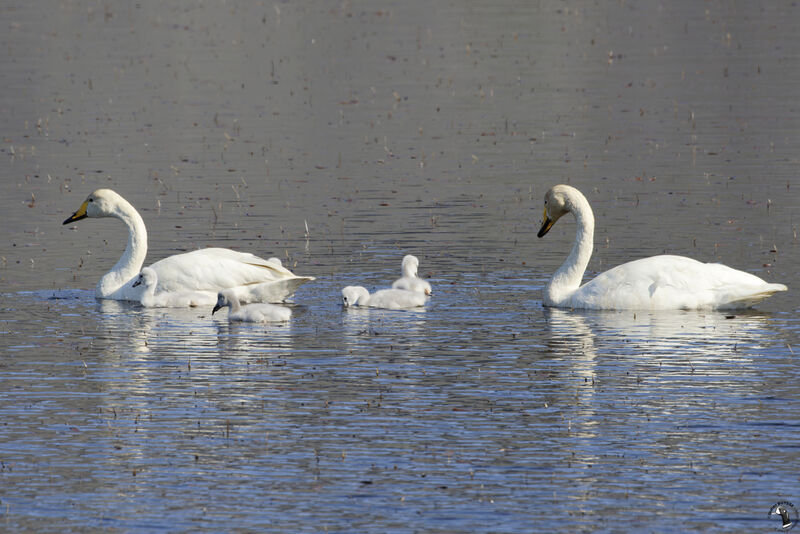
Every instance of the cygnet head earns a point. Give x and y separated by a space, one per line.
556 204
224 298
352 294
410 265
148 278
100 203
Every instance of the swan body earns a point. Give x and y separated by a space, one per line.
250 313
205 270
410 281
391 299
148 280
656 283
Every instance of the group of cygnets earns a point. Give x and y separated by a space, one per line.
248 284
244 283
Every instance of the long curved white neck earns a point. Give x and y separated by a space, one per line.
567 279
116 282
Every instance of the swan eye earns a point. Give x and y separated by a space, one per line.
91 200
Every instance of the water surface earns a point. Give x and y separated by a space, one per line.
338 138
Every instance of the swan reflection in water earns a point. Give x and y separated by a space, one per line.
188 333
633 371
688 336
402 327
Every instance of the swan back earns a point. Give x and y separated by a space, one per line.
212 269
390 299
669 282
417 285
397 299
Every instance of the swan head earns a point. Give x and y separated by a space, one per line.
100 203
225 298
556 205
410 265
147 277
352 294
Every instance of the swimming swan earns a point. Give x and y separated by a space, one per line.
656 283
148 280
250 313
210 269
391 299
410 280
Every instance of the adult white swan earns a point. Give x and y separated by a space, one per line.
656 283
211 269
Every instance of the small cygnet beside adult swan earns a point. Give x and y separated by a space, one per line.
656 283
205 270
148 280
260 312
390 299
410 281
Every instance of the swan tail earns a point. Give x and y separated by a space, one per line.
277 291
750 299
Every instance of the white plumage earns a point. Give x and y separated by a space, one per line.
250 313
655 283
147 282
410 281
205 270
391 299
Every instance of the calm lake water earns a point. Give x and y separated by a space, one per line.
339 137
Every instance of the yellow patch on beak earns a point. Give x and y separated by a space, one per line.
78 215
547 223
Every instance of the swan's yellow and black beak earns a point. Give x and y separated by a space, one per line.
78 215
547 223
216 307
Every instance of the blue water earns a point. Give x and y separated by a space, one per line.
339 138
